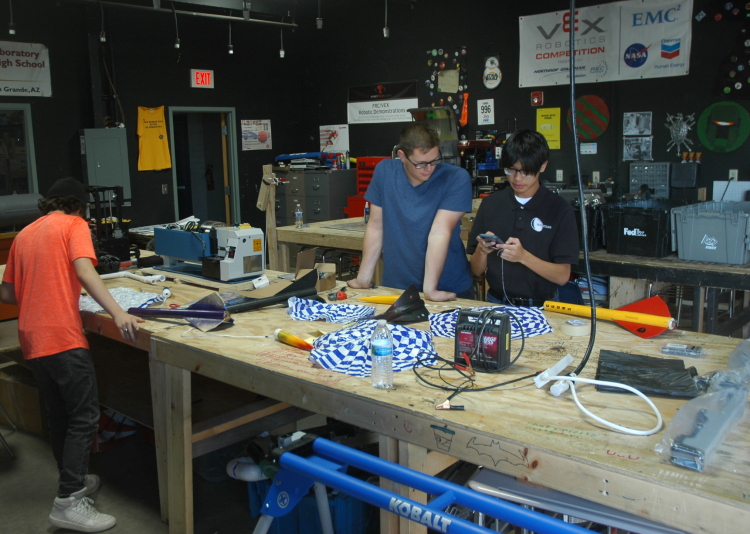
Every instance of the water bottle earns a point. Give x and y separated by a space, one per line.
382 356
367 212
298 217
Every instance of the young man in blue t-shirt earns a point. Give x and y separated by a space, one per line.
416 205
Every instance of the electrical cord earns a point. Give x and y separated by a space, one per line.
572 378
450 365
581 199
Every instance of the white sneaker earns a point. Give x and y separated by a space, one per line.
78 513
92 484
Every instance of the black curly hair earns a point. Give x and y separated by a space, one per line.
68 204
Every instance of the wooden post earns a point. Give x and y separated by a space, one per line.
273 257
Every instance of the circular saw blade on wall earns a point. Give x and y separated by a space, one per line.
592 117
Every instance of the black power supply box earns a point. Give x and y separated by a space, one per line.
484 336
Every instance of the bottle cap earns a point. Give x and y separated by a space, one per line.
381 322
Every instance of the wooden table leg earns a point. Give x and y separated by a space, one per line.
699 300
179 451
413 457
283 258
389 523
160 405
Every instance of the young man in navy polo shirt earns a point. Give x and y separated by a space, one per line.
537 227
416 205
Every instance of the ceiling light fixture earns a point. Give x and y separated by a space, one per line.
319 20
281 51
245 10
231 48
11 25
102 35
176 30
386 31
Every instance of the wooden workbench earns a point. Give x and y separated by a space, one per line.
519 430
630 275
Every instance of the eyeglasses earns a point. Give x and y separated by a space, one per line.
433 163
512 171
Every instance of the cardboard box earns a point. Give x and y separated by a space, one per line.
327 271
20 398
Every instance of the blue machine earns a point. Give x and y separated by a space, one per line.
320 462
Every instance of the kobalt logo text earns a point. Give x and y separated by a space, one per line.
432 519
635 231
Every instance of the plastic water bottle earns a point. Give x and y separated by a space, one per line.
367 212
298 217
382 356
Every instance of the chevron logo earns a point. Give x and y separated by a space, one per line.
670 50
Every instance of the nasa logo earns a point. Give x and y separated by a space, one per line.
636 55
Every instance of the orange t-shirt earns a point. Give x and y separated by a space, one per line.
40 266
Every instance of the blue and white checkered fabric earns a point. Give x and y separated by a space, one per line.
533 321
348 350
312 310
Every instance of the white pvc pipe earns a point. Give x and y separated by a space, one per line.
150 279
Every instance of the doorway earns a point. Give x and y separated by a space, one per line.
205 181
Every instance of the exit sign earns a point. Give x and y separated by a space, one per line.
202 78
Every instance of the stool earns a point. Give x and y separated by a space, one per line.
573 509
13 426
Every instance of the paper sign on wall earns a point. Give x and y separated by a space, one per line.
256 135
548 124
486 111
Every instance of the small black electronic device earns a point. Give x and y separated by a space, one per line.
492 238
484 336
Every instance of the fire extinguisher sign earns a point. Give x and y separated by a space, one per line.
486 111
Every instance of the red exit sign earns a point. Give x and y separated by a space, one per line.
202 78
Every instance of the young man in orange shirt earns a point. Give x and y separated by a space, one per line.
49 261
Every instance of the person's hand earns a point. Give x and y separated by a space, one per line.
512 250
356 283
439 296
128 325
485 246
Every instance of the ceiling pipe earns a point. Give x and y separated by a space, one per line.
193 13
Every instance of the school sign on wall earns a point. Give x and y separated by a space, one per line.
24 69
619 41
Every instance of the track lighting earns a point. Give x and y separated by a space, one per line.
102 35
386 31
176 29
281 51
231 48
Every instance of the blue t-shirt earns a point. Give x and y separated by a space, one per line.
408 213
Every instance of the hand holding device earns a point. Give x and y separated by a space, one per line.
492 240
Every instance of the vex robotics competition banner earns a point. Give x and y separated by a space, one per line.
24 69
618 41
384 102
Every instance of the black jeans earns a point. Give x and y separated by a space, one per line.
68 384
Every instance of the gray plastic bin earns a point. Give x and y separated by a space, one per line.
712 231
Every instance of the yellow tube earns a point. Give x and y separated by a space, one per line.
611 315
291 339
381 299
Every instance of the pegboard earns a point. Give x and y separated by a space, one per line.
734 192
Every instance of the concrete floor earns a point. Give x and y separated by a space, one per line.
129 490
